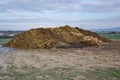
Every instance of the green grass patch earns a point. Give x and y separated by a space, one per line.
59 73
27 73
111 36
2 41
104 74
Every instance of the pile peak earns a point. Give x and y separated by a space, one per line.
59 37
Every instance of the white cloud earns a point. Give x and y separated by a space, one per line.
61 5
59 12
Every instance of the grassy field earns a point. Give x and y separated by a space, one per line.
90 63
2 41
111 36
59 73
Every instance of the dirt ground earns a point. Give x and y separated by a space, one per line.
105 55
62 64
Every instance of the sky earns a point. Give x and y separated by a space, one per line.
86 14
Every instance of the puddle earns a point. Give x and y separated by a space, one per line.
5 49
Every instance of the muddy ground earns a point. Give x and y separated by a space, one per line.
75 60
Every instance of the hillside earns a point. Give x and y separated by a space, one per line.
59 37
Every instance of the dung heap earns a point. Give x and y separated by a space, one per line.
59 37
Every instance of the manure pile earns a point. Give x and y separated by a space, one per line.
60 37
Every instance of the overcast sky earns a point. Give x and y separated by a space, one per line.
87 14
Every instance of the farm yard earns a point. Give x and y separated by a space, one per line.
89 63
59 39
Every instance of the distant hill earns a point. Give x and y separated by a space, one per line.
116 29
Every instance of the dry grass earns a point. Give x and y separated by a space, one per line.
84 59
50 58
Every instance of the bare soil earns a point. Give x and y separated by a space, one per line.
106 55
88 63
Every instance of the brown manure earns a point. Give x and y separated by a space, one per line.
59 37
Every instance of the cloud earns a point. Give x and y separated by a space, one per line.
101 23
36 5
38 22
59 12
101 6
60 5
